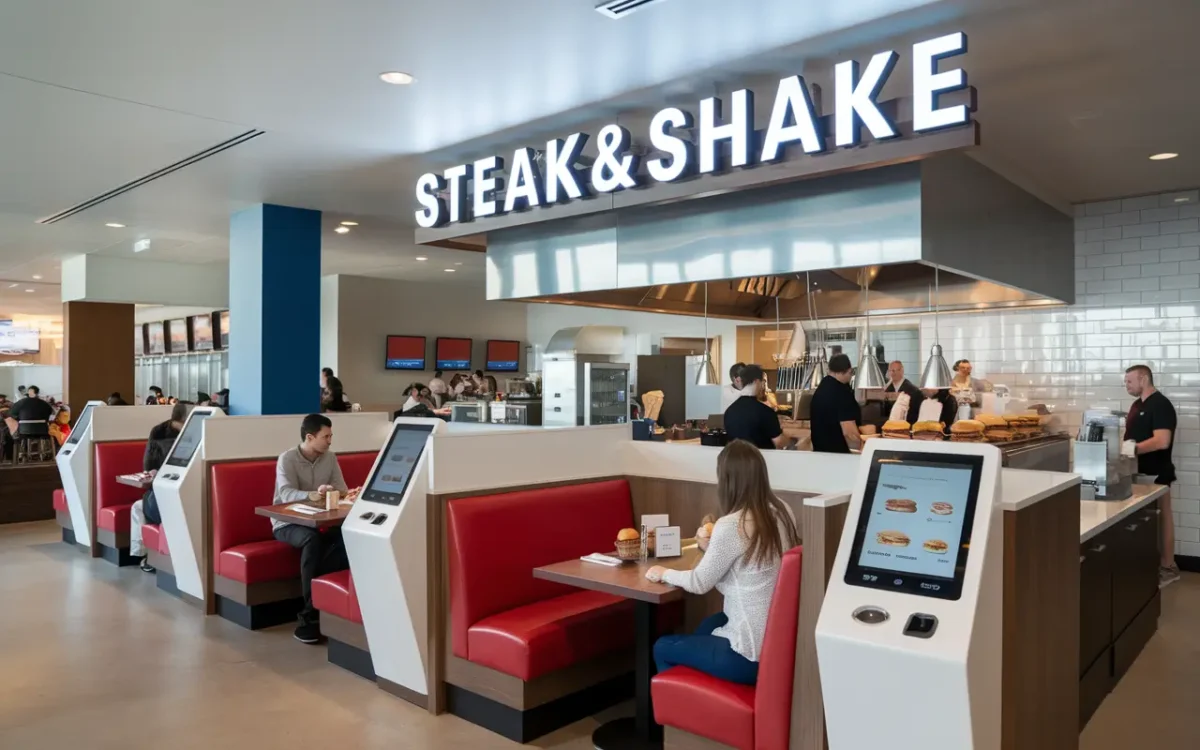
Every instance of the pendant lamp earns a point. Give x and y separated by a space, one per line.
937 373
868 375
707 375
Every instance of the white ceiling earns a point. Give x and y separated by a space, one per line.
1073 95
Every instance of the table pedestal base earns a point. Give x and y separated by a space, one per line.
622 734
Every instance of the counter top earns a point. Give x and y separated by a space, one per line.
1097 515
1020 488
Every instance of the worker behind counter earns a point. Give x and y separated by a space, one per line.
835 414
749 419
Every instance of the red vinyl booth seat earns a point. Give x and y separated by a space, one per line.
113 500
60 502
504 618
334 594
153 537
744 717
355 467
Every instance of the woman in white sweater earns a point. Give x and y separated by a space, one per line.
741 560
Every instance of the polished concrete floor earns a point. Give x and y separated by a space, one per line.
95 657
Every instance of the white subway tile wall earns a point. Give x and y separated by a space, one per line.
1137 280
903 344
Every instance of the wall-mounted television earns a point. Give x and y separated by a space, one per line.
202 332
503 356
156 337
223 325
178 330
405 353
19 339
453 354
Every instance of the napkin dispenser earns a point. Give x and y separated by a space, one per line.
1098 457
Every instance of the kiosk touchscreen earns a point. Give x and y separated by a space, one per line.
386 538
179 489
909 633
74 461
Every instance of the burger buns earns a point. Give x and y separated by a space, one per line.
628 535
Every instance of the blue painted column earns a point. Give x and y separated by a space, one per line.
274 310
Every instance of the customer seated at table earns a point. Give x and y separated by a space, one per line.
60 428
158 446
114 399
334 398
742 561
156 396
310 467
30 415
5 404
418 402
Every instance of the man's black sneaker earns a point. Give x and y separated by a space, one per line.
309 633
146 566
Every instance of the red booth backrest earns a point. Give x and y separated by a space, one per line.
235 490
355 467
776 664
112 460
495 542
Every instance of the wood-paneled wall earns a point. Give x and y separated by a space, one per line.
97 352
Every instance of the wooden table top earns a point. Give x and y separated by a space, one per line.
135 480
627 580
324 519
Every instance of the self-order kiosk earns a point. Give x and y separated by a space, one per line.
179 490
909 635
74 461
385 537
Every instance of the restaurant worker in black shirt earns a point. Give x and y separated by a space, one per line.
835 414
749 419
897 383
1151 423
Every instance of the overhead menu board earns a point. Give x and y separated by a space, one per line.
405 353
178 330
202 333
156 337
503 356
453 354
223 320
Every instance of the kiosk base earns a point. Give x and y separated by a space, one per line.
118 556
259 616
622 734
68 535
526 726
351 659
166 582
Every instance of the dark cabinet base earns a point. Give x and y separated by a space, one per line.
1094 686
1130 643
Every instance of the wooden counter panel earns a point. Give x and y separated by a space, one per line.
27 492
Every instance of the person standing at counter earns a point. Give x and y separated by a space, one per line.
1151 423
310 467
949 404
749 419
965 388
835 413
733 391
438 388
897 383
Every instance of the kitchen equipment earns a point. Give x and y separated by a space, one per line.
582 382
1098 456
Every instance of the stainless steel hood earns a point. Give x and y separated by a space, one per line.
995 244
584 341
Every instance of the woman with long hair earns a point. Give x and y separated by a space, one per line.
335 397
741 560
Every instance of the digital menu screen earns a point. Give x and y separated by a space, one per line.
503 356
139 341
179 335
914 529
395 470
81 425
156 336
453 354
405 353
223 320
188 440
202 333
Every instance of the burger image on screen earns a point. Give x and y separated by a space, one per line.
966 431
893 538
936 546
896 429
995 429
901 506
941 509
928 431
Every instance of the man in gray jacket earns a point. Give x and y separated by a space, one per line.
310 466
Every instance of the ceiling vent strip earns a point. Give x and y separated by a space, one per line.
249 135
622 8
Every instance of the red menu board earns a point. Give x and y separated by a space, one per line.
503 356
405 353
453 354
202 332
179 335
157 337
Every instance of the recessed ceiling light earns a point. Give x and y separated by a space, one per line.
13 286
37 277
422 257
29 290
458 264
1163 156
449 270
342 230
115 225
397 78
349 223
1181 199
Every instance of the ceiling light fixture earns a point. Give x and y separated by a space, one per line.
342 230
449 270
422 257
397 78
1182 199
13 286
349 223
29 290
459 263
1163 156
115 225
37 277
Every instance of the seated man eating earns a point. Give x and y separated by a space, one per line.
310 466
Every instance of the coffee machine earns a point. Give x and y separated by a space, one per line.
1106 470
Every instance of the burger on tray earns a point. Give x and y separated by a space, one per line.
929 431
894 428
995 429
966 431
1024 425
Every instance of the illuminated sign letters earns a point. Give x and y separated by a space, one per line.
713 142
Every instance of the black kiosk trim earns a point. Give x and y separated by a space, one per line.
902 542
188 441
399 458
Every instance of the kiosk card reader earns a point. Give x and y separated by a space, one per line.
179 489
74 461
386 540
909 635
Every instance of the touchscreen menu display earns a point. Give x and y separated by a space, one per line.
81 425
914 528
189 440
395 470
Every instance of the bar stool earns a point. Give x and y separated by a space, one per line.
33 443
